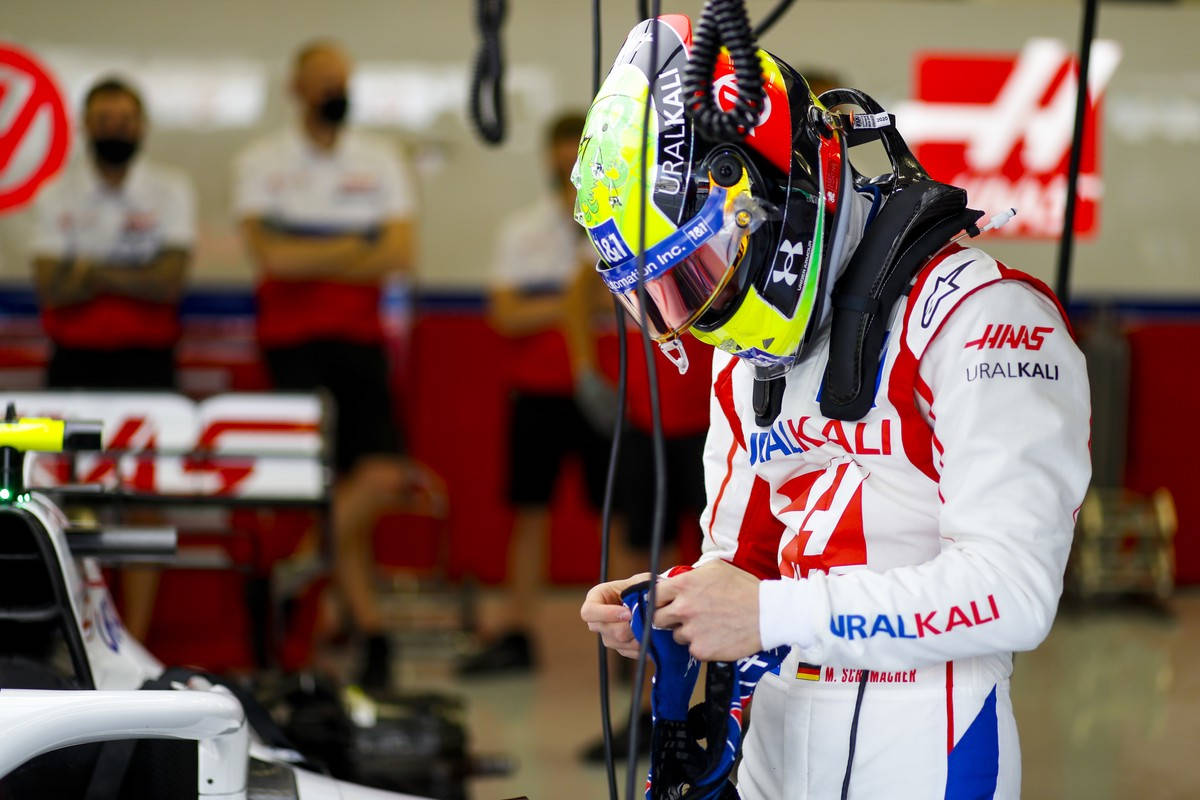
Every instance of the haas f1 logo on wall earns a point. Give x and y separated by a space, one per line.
1000 126
247 445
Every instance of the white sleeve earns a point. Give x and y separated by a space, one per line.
508 263
252 193
1015 466
398 200
49 235
179 214
737 524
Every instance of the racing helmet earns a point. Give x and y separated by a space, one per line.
739 236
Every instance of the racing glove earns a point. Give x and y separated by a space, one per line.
680 767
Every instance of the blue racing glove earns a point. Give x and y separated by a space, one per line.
680 767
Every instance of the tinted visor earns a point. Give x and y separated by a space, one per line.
685 272
686 291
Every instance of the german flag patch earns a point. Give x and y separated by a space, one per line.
808 672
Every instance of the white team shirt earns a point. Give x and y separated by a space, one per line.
80 215
353 188
540 247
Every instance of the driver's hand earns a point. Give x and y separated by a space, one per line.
606 615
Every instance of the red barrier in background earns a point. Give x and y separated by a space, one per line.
456 406
1164 439
453 400
468 445
458 416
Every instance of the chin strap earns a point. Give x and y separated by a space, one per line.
768 399
680 767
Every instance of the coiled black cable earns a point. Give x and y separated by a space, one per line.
724 22
487 79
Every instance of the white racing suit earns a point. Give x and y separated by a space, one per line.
924 543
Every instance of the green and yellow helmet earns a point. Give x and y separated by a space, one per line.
739 237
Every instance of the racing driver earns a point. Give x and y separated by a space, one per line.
903 545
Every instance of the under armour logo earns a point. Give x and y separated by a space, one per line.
785 272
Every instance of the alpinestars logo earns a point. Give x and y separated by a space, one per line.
943 288
1001 127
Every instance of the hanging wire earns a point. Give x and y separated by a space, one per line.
605 540
1062 282
487 79
660 471
772 17
614 458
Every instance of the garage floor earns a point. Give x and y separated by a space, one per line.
1108 707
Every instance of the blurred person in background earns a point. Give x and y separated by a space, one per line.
544 295
112 243
327 213
111 250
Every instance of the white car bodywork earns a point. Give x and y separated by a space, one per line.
33 722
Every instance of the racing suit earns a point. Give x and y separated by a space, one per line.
923 543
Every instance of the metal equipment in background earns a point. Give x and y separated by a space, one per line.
1124 541
1124 545
412 742
433 614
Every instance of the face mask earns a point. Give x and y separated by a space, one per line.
333 109
113 150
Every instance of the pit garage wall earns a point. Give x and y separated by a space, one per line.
452 397
1151 110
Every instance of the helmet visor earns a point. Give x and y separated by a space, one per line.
684 273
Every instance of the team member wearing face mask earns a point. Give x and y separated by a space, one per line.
113 239
326 213
111 250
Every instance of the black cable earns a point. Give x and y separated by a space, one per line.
660 472
862 688
1066 244
724 22
772 17
614 457
487 80
596 55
